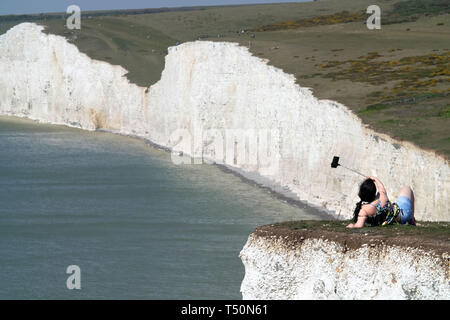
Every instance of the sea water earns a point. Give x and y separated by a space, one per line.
136 225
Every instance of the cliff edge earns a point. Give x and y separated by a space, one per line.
324 260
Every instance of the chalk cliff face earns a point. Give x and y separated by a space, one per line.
316 268
207 89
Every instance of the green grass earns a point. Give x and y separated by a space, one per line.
390 121
437 230
445 113
373 108
411 10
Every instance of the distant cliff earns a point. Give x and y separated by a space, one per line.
286 262
206 89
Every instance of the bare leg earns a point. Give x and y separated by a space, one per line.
407 192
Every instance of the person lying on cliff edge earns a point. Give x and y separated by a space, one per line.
375 209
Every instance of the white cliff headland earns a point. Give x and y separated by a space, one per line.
205 89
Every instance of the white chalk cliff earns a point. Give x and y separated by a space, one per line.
219 86
325 269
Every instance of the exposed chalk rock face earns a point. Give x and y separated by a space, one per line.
324 269
206 90
47 79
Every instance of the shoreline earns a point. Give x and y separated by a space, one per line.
251 178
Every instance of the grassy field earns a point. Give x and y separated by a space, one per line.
396 79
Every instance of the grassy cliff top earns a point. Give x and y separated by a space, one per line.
396 79
426 235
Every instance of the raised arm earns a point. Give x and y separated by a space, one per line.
381 190
379 184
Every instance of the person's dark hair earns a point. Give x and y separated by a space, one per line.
367 193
